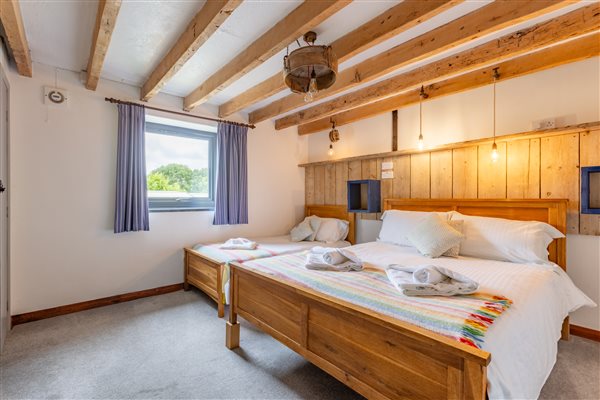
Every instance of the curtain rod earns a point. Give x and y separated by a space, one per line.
112 100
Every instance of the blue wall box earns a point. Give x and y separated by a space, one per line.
364 196
590 190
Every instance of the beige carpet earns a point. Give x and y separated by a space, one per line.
172 347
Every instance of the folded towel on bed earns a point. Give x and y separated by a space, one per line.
429 280
239 244
332 259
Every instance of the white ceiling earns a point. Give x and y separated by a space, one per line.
60 32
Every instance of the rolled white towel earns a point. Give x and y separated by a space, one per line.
239 244
330 255
402 277
317 261
428 274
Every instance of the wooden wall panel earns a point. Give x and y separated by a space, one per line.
330 184
354 170
420 175
387 185
309 182
533 191
491 175
401 183
369 171
464 173
517 169
341 188
319 184
441 174
560 174
523 169
530 166
590 157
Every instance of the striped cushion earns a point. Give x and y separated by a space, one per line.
433 236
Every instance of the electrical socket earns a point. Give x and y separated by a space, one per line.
543 124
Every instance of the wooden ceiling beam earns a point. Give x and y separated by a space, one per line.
106 19
204 24
576 23
10 17
305 17
564 53
388 24
488 19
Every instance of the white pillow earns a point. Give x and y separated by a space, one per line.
454 251
433 236
397 224
301 231
505 239
332 230
315 223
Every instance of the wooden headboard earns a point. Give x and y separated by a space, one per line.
553 212
339 212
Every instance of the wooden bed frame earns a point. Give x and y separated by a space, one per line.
206 274
378 356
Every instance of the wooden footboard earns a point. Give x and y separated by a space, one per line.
206 275
378 356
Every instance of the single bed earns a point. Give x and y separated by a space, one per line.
384 357
206 266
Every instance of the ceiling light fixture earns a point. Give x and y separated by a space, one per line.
310 68
422 95
334 136
496 75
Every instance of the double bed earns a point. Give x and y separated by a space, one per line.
206 266
363 343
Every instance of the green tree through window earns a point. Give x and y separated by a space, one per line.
178 178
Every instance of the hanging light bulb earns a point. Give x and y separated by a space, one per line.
422 95
312 88
494 145
494 152
330 151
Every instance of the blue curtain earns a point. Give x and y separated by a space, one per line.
131 204
231 203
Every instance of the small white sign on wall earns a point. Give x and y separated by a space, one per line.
387 165
389 174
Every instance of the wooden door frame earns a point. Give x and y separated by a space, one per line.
4 78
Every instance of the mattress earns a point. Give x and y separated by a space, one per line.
523 340
267 247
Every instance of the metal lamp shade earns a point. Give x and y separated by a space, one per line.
300 63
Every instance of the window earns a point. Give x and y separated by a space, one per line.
180 166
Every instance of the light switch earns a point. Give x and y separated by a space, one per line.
387 165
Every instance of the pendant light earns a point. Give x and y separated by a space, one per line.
494 145
334 136
310 68
422 95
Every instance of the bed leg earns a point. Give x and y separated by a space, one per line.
565 332
232 335
232 340
220 294
186 285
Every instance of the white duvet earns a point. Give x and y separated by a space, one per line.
523 340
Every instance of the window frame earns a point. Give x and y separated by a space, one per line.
187 204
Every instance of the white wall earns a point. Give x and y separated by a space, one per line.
63 249
568 93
